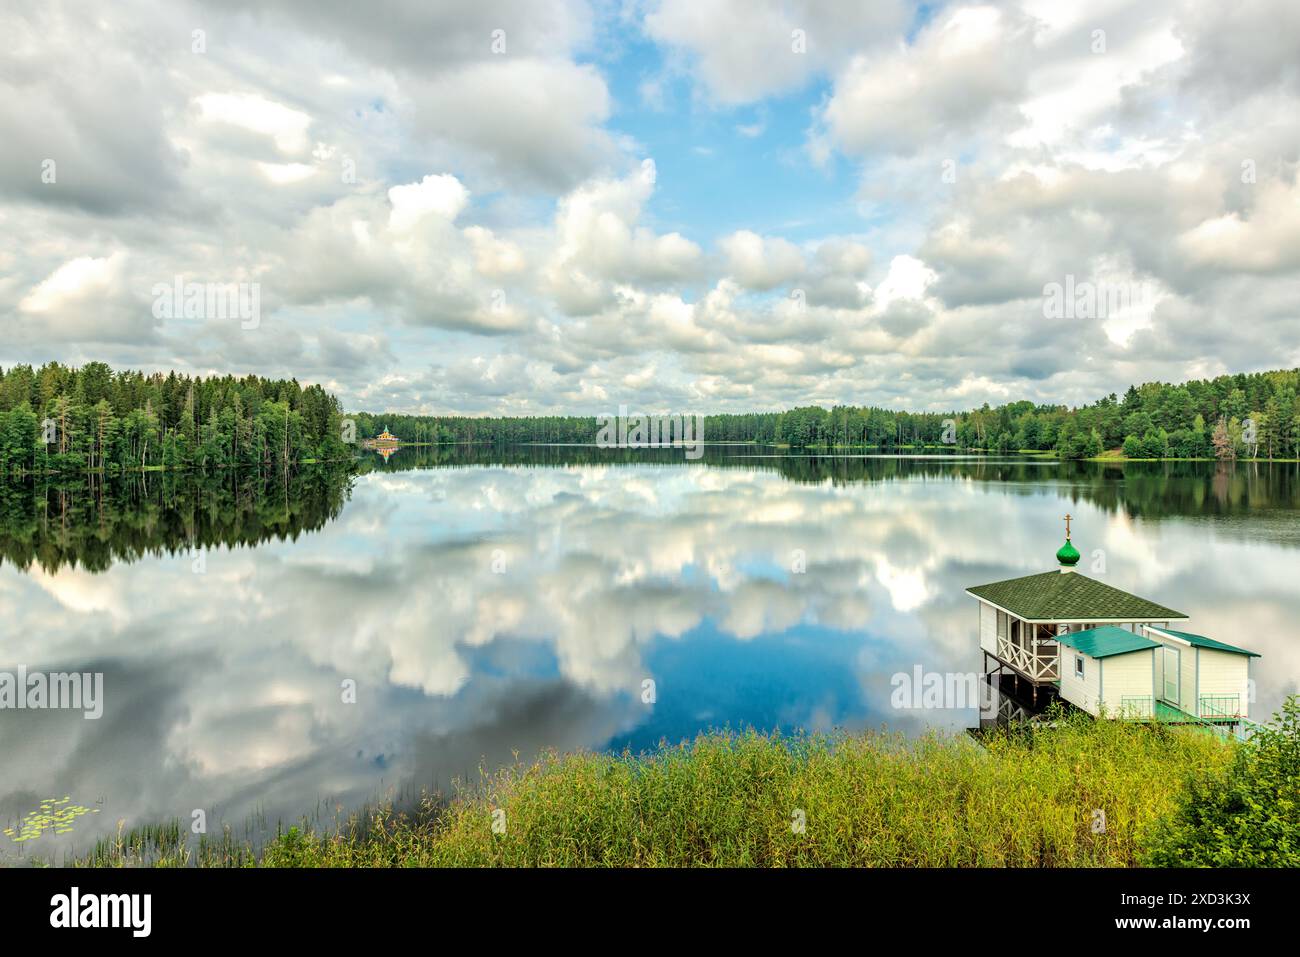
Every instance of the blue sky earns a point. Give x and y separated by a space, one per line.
735 168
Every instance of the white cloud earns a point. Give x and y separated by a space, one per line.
599 242
441 195
284 173
86 299
1266 240
962 67
908 278
743 50
74 283
539 120
761 263
287 127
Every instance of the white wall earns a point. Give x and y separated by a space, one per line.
988 628
1187 660
1126 676
1083 693
1223 673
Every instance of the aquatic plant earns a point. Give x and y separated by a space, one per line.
54 814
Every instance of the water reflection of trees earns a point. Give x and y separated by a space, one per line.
1139 489
92 522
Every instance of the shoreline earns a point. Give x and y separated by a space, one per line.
1023 798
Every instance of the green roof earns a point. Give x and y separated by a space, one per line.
1106 641
1070 596
1201 641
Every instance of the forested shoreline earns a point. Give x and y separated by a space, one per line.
1254 415
58 419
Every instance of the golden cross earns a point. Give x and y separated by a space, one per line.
1067 525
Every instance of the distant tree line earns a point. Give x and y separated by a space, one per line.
497 431
1253 415
60 419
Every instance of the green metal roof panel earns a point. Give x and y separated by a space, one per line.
1070 596
1106 641
1202 642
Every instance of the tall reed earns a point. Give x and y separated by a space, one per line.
1079 793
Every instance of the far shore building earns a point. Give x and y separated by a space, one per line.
384 438
385 443
1108 652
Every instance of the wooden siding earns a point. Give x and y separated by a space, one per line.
1223 674
988 628
1126 676
1187 688
1085 693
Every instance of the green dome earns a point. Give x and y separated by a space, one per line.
1067 554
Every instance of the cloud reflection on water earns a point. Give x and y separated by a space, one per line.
484 611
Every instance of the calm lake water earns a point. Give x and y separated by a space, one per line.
492 603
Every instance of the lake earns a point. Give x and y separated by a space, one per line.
273 648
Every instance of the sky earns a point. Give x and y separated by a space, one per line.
498 207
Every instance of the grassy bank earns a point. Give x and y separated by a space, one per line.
1117 455
1084 793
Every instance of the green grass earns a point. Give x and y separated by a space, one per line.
1027 799
1117 455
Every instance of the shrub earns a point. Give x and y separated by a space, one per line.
1246 815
